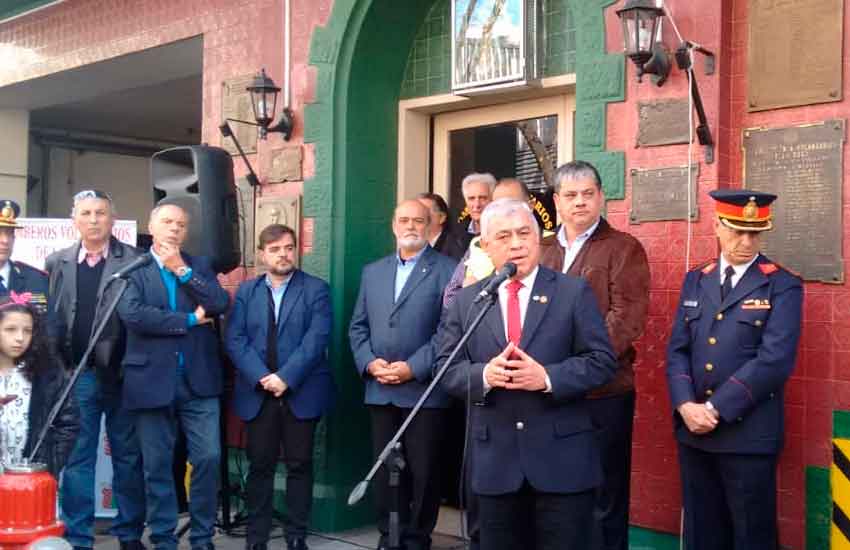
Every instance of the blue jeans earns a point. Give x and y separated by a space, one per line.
78 490
198 418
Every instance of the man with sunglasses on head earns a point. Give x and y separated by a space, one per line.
79 296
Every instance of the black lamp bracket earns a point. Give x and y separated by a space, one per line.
285 125
683 60
226 131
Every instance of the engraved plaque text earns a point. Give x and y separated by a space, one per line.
803 166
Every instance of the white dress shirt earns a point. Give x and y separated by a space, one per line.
571 252
739 270
6 273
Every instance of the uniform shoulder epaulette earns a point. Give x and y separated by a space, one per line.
706 268
772 267
19 265
768 269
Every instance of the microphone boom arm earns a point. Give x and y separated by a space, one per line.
360 489
54 412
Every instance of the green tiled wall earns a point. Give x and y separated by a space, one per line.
560 39
429 64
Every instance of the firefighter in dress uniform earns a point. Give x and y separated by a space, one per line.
18 277
732 347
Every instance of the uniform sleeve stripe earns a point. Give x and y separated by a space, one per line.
746 389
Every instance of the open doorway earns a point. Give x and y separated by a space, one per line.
97 126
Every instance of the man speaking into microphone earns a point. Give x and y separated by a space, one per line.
526 369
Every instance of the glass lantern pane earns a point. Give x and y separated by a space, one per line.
257 103
629 32
263 104
646 30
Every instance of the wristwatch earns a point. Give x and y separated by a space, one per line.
182 271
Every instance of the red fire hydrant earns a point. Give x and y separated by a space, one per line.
27 506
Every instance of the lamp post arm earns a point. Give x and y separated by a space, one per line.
226 131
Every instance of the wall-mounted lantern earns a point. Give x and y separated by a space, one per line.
641 20
263 102
642 44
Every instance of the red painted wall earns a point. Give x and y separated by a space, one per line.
821 381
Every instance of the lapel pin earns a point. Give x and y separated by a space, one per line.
424 269
536 298
544 299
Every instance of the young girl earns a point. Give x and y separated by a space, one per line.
31 382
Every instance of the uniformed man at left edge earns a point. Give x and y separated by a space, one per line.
732 348
18 277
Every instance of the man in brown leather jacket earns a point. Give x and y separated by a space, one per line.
615 265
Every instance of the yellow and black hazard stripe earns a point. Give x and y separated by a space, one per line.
840 478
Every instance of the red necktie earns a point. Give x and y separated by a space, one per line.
514 321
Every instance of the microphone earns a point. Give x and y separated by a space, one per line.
508 270
141 261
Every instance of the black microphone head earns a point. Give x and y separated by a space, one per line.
509 269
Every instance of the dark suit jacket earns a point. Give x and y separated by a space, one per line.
449 244
156 335
26 278
62 267
303 331
460 232
545 438
403 330
738 353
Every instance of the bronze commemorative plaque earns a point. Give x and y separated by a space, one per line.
795 49
662 122
662 194
802 165
236 104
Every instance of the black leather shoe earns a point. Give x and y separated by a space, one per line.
296 543
133 545
256 546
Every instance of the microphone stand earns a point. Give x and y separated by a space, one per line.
391 455
81 365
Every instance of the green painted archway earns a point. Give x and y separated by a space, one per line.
360 56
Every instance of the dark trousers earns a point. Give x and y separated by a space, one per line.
613 417
729 500
420 490
531 520
198 417
473 512
275 424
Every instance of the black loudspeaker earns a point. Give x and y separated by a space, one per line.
199 179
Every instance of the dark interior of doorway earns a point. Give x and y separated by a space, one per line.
523 149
